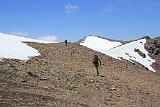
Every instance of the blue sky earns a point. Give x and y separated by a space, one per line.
74 19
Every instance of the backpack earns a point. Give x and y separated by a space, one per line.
95 59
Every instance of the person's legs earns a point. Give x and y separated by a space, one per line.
97 71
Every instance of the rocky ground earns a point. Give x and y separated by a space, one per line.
153 48
63 76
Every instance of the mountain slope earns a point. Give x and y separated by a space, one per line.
117 50
64 76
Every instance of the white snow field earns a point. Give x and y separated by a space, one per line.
12 47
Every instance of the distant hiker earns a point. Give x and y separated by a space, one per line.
65 41
96 63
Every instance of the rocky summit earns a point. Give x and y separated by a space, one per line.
63 76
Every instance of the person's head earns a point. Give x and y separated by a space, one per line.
95 56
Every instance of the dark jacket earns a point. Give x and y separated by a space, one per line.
96 61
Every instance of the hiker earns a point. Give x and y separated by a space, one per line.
96 63
65 41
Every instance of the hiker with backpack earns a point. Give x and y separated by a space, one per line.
96 62
65 41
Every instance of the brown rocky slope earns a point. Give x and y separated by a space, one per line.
63 76
153 48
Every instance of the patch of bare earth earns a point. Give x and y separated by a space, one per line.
63 76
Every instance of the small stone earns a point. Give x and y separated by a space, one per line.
113 88
42 79
46 87
92 81
147 93
86 76
23 81
102 75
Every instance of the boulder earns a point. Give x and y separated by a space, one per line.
150 47
136 50
157 43
157 59
140 53
156 51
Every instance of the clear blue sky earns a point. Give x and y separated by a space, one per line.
74 19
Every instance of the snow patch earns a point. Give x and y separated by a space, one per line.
97 43
12 47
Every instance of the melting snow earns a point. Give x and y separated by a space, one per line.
12 47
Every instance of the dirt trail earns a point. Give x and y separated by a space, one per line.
63 76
